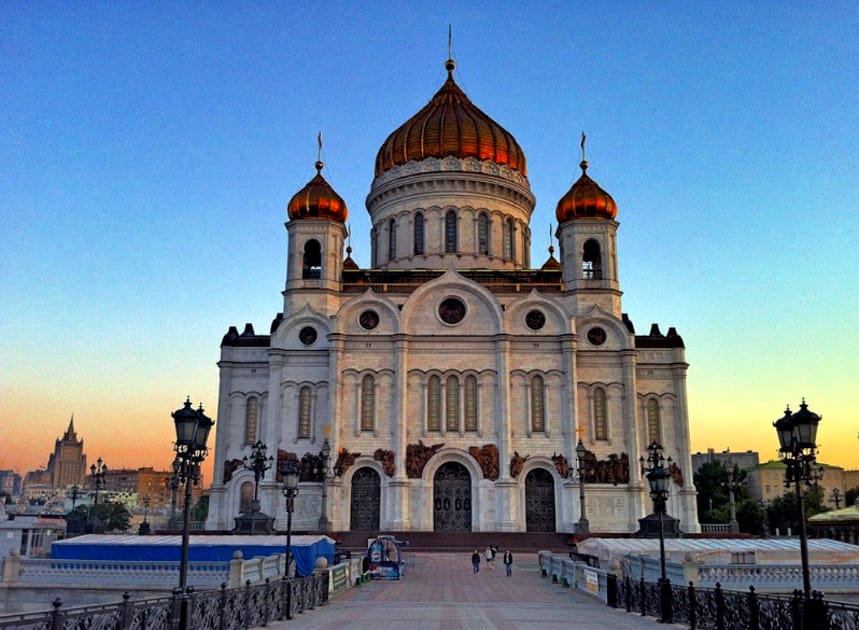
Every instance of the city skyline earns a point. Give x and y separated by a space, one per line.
149 153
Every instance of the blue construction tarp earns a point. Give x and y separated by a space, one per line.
201 548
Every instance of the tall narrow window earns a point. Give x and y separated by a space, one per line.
368 403
471 403
538 407
304 402
450 245
451 412
434 404
591 261
509 240
419 234
654 428
600 415
483 234
312 262
246 496
392 239
251 415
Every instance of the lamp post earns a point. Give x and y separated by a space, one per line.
582 527
74 494
732 483
258 463
326 458
192 431
290 490
797 435
97 473
173 484
658 477
836 498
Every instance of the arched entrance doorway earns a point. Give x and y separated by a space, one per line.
366 500
539 501
452 499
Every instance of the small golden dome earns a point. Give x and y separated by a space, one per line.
450 124
585 200
317 200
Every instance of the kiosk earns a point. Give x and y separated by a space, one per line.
385 558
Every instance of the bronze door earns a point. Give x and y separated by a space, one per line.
452 499
366 500
539 501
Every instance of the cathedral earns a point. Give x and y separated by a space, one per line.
452 381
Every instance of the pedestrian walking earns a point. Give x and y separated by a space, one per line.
508 562
490 558
475 561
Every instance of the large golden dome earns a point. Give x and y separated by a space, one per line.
317 200
450 124
585 200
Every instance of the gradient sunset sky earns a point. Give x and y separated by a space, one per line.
148 151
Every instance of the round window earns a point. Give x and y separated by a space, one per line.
535 320
451 310
596 336
369 320
307 336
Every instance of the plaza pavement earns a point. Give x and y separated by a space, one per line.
440 591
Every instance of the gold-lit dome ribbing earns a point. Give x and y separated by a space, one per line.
450 124
317 200
585 200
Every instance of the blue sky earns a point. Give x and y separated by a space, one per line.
147 153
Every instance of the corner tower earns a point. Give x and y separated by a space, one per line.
317 231
450 189
587 235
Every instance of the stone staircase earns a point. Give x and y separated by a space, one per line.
465 542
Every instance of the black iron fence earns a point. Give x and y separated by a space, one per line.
248 606
707 608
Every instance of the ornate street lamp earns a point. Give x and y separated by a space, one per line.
732 484
290 490
258 463
173 483
655 470
582 527
797 435
192 431
97 473
836 498
326 458
254 521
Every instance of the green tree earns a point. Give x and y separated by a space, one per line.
709 481
783 513
113 516
200 511
850 496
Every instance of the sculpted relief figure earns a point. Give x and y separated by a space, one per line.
561 465
487 457
344 460
230 467
517 463
676 474
417 456
386 458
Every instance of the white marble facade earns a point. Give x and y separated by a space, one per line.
454 348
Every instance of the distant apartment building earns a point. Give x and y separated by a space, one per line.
766 482
745 460
10 483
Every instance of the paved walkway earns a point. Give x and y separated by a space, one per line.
440 591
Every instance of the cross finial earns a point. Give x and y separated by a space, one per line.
584 138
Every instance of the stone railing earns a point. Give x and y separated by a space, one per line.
715 528
778 578
573 574
129 574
